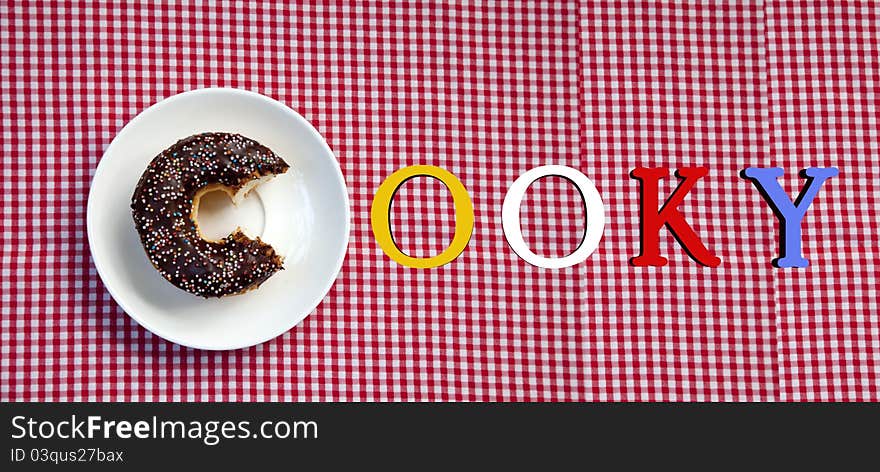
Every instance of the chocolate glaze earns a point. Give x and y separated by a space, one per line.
162 207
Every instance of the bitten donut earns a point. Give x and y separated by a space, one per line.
166 200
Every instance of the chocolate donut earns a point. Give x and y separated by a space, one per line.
166 200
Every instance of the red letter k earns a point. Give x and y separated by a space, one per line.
653 220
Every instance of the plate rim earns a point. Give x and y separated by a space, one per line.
295 320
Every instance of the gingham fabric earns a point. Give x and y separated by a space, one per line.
487 91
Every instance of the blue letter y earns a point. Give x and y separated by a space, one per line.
789 215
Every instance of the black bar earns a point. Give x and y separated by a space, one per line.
468 436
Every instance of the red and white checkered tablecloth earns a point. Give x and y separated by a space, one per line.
486 90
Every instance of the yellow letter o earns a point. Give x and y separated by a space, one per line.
380 216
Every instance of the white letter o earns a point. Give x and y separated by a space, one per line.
595 213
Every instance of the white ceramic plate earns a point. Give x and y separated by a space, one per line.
303 213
